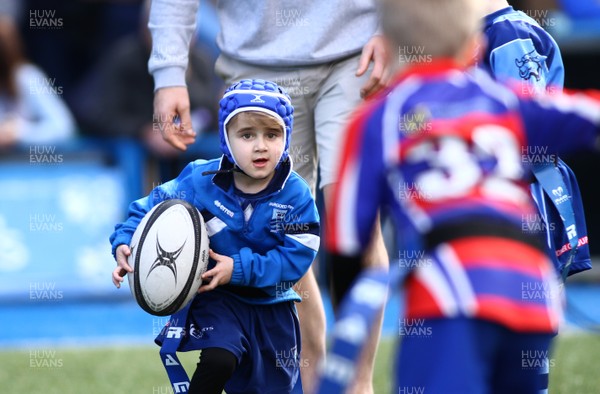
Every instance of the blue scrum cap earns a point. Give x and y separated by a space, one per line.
255 95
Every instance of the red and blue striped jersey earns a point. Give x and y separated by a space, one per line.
445 152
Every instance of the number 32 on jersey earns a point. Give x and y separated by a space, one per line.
454 167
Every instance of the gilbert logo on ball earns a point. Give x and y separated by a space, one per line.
166 259
169 254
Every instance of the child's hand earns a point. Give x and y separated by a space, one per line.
220 274
123 267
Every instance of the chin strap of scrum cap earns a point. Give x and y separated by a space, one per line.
234 169
174 332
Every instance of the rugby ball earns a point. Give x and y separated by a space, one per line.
169 254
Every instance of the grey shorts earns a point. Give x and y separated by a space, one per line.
323 97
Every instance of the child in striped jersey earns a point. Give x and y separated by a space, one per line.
482 302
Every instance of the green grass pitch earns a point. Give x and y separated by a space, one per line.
137 370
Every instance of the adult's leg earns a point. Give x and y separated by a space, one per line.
376 256
312 328
338 98
303 152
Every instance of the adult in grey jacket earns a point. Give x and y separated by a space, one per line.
321 53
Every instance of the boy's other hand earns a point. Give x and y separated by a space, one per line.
374 51
220 274
123 267
169 103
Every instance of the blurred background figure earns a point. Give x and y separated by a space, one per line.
79 36
115 100
11 8
31 108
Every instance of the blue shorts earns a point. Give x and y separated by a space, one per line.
469 356
264 338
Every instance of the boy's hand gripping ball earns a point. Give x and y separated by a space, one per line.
169 254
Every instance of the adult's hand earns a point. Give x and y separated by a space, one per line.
172 113
374 51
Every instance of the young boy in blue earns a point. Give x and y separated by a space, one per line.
263 227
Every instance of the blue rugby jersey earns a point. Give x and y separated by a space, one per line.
272 241
520 50
442 150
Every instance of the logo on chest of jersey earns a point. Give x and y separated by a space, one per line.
278 220
223 208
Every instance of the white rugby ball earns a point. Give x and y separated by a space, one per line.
169 254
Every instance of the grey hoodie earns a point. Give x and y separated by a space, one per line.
261 32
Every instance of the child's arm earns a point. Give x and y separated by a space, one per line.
562 123
181 187
287 262
521 51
